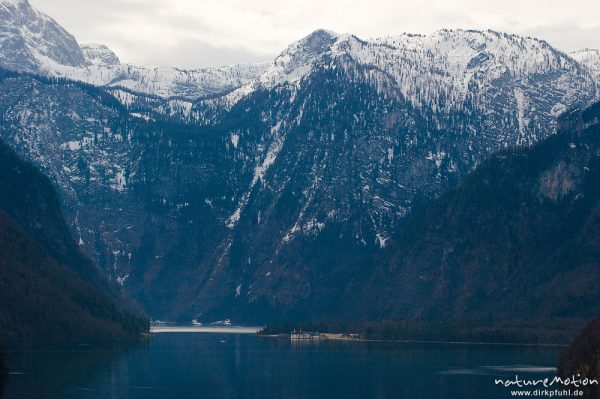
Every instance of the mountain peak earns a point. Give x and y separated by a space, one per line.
296 60
314 44
17 3
99 54
32 41
320 40
451 59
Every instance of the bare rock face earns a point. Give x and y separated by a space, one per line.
99 54
559 181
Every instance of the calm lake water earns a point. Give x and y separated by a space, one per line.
219 365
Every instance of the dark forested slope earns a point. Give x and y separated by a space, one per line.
519 239
49 292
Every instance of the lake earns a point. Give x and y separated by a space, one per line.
226 365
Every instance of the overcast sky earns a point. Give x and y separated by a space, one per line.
195 33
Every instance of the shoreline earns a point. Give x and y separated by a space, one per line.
412 341
340 337
204 329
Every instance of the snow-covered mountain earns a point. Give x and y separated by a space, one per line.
357 132
31 41
165 82
445 69
285 177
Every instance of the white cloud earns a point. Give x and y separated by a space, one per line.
208 32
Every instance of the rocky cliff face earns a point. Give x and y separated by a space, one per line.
99 55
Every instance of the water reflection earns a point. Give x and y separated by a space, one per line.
3 381
183 365
56 373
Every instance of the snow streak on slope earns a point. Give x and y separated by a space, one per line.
259 173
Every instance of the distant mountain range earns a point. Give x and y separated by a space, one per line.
272 191
33 42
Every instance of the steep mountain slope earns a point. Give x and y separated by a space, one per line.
358 137
136 192
49 292
418 105
250 204
519 239
271 188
